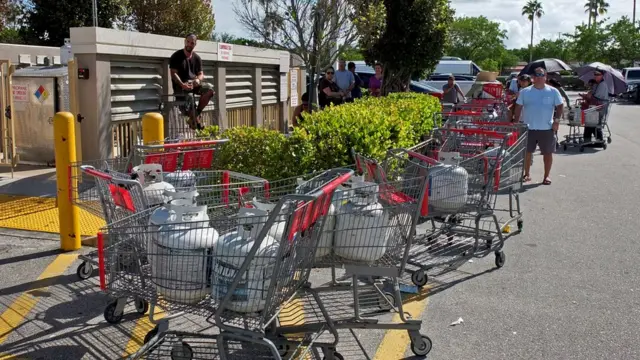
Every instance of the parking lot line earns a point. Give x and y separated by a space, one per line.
140 330
12 317
395 342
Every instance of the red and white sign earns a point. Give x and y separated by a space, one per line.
225 52
20 93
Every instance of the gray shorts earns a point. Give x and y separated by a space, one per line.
545 139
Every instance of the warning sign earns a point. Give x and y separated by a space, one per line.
41 94
225 52
20 93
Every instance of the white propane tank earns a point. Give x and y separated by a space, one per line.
278 227
231 251
181 178
327 236
362 228
150 176
448 187
180 261
178 210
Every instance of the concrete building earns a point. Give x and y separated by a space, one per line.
29 55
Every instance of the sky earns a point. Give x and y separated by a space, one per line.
561 16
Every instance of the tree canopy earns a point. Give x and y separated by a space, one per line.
408 39
481 40
46 22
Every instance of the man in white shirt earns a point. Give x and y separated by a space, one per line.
540 106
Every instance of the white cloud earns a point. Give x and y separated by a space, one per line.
561 16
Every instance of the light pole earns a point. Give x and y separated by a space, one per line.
634 13
95 13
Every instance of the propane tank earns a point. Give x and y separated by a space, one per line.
448 187
362 229
231 251
180 258
150 177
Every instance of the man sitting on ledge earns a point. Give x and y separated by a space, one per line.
188 80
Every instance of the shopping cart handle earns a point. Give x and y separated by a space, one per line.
180 145
488 133
88 169
463 112
424 158
331 186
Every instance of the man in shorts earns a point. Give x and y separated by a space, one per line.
188 81
536 106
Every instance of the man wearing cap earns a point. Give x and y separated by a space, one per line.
540 107
188 81
451 90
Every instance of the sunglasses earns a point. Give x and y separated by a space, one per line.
329 72
539 74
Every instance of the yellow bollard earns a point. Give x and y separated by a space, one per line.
64 135
152 128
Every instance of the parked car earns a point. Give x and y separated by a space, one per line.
365 73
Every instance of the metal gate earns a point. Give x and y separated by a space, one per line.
8 156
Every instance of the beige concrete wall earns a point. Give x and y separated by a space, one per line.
12 52
94 48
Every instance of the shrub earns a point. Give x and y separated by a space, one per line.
370 126
324 138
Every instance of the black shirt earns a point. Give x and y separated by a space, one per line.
323 99
188 68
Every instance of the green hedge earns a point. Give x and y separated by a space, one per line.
323 139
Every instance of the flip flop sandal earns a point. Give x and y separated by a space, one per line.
546 181
526 178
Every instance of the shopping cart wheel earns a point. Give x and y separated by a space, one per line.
151 334
142 305
84 271
520 225
336 356
609 140
581 148
500 259
564 147
181 351
283 346
387 302
419 278
604 146
110 313
423 347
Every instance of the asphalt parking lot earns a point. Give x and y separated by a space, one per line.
568 290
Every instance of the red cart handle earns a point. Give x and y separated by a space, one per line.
424 158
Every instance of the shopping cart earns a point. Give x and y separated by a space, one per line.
214 185
229 269
594 117
178 161
368 232
465 174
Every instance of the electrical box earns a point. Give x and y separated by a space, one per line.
83 74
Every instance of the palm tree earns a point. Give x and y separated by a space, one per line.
595 8
533 10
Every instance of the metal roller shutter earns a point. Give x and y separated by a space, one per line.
136 89
239 87
210 70
270 86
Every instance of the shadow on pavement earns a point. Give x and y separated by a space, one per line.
68 318
31 256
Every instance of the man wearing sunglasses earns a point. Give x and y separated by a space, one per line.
540 107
